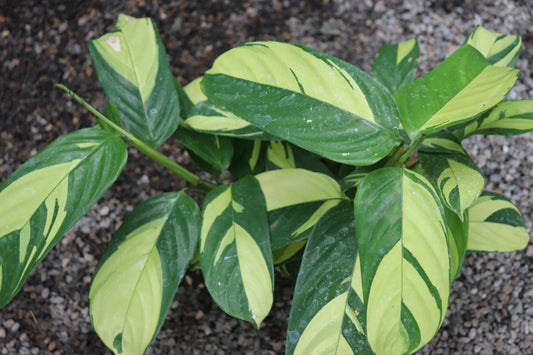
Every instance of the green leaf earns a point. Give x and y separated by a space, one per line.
48 194
455 176
287 187
111 113
311 99
295 223
284 155
140 271
235 252
499 49
395 65
249 157
327 313
209 118
132 67
508 118
404 253
460 88
458 241
284 254
212 153
495 225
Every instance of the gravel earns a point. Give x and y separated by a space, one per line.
44 42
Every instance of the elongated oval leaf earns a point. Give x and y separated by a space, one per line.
508 118
140 271
495 225
327 313
132 67
295 223
455 176
249 157
235 253
211 152
405 266
395 65
308 98
499 49
460 88
207 117
283 155
458 241
287 187
44 197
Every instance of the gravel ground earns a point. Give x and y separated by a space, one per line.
44 42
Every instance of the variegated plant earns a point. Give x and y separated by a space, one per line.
356 184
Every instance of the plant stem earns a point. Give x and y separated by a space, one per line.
411 149
395 157
143 147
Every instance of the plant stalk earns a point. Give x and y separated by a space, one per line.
411 149
143 147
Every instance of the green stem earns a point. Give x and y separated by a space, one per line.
411 149
395 157
143 147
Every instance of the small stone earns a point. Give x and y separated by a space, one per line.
2 332
104 211
15 327
57 300
472 333
199 314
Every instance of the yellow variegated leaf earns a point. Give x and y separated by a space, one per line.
405 267
495 224
137 278
131 270
132 67
235 252
327 314
395 64
499 49
209 118
288 187
455 176
460 88
308 98
508 118
43 199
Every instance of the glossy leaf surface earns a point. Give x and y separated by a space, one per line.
455 176
212 153
460 88
283 155
395 64
496 225
207 117
499 49
48 194
327 313
404 254
308 98
508 118
249 157
235 252
140 271
132 67
458 241
287 187
295 223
